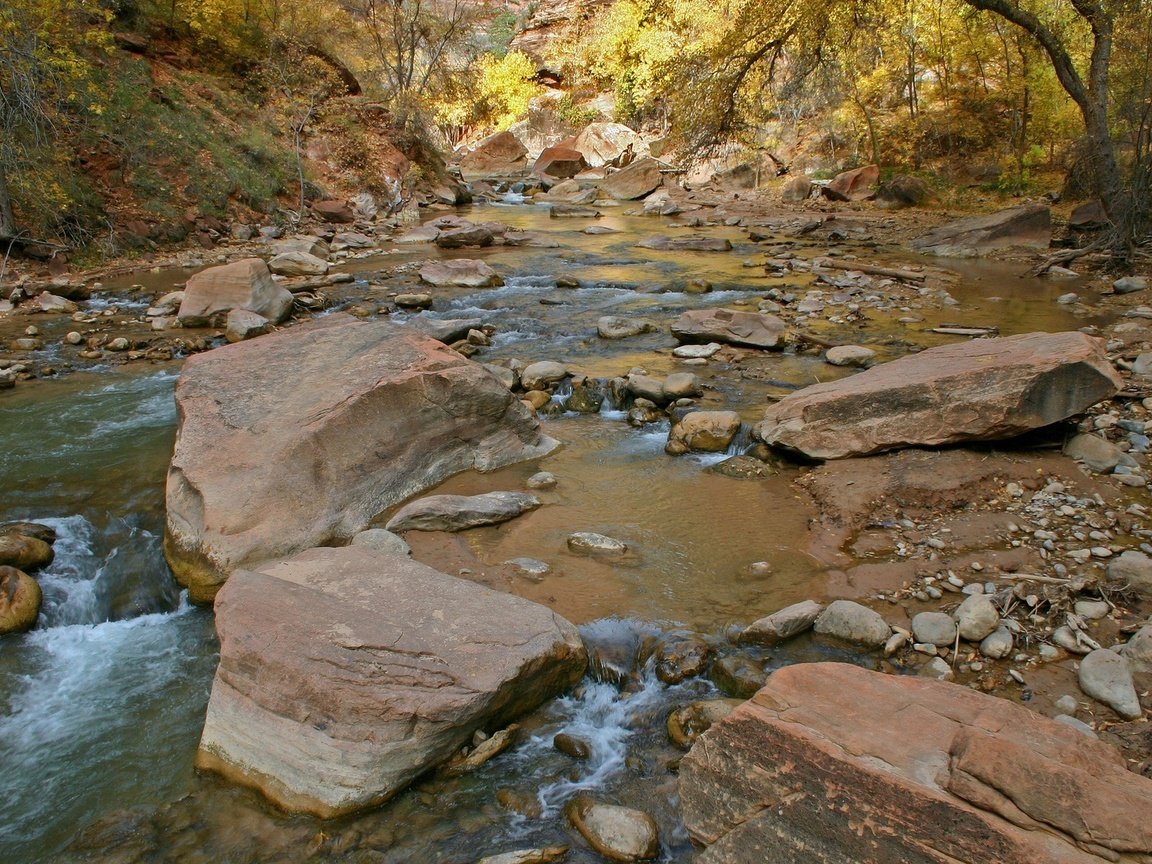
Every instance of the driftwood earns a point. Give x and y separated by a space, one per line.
874 270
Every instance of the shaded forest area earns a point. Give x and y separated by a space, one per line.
117 112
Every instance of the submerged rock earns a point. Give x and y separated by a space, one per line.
703 432
374 413
986 389
460 272
588 543
346 673
461 512
795 771
20 599
749 329
617 833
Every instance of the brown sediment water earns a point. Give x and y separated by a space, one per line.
100 708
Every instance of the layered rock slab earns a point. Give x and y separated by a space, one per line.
345 673
986 389
299 438
811 769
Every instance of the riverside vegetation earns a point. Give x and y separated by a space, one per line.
512 498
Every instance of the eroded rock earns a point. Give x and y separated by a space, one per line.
346 673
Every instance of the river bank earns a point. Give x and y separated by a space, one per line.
717 551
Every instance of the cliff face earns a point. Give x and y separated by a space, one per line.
549 21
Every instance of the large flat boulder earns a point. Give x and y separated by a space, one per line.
834 763
497 155
299 438
1028 225
637 180
985 389
731 327
460 273
346 673
244 284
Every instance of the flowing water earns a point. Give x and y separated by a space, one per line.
101 705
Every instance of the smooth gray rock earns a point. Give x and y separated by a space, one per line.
461 512
782 624
1138 651
977 617
848 620
934 628
998 644
617 327
589 543
1129 284
1099 455
1107 677
1133 568
382 540
850 355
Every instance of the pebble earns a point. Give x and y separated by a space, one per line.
1076 724
938 669
1091 609
1067 704
998 644
541 480
933 629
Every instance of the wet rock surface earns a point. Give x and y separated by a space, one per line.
226 508
774 774
399 686
988 389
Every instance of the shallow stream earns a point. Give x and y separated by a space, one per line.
101 705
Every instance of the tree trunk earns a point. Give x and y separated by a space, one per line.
1090 96
7 220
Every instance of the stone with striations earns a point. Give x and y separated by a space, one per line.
986 389
375 414
795 772
346 673
618 327
1028 225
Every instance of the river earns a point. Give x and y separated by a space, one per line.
101 705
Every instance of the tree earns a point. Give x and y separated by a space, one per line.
44 80
417 45
1090 92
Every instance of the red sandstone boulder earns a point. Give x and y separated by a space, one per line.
497 155
854 185
637 180
245 284
299 438
560 163
346 673
986 389
335 210
833 763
